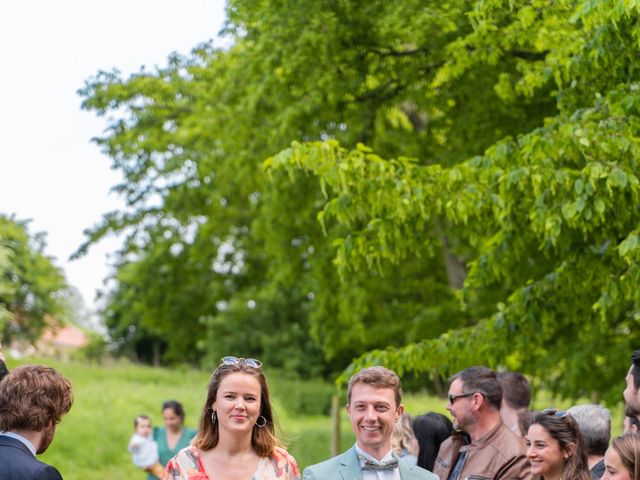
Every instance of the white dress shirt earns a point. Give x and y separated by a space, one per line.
378 474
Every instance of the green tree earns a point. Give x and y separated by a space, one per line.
549 218
461 188
31 286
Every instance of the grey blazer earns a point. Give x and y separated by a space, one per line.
346 467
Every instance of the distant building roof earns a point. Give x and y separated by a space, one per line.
68 336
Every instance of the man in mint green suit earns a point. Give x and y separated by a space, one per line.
374 406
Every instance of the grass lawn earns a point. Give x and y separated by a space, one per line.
91 442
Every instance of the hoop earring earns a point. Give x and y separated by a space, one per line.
214 418
264 421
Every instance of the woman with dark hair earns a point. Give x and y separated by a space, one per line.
430 429
555 447
622 459
174 436
236 440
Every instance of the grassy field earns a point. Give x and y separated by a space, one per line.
91 442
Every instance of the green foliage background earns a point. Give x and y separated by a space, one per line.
31 286
445 184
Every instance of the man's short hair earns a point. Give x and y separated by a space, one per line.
635 368
516 390
378 377
32 397
482 380
594 423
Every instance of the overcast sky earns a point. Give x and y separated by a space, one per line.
50 172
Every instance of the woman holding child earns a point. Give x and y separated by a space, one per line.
174 436
236 439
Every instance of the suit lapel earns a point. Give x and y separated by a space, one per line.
406 471
349 465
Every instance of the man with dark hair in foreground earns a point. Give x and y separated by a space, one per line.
482 446
33 399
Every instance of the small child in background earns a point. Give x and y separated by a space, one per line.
143 447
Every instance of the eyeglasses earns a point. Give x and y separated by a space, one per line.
249 362
555 412
453 398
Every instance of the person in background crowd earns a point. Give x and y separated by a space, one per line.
483 446
3 365
374 405
630 425
144 450
430 429
525 419
555 447
631 392
236 440
516 397
622 460
174 436
403 441
33 399
594 422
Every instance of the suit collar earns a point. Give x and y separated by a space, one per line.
350 466
12 441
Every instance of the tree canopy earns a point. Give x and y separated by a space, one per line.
460 189
31 286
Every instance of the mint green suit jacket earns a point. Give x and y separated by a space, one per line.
347 467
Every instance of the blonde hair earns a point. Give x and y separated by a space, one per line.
403 437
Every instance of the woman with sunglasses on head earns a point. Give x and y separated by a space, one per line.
555 448
622 459
236 439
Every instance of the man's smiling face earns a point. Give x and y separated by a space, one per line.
373 413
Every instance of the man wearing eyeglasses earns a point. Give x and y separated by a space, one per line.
374 395
482 447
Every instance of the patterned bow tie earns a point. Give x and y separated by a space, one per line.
370 464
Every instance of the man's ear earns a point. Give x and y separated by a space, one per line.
347 409
478 401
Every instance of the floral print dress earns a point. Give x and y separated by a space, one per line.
186 465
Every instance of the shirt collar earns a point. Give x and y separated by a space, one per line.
388 456
26 442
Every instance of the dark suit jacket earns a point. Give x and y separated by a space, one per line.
18 463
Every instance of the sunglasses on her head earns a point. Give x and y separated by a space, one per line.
555 412
249 362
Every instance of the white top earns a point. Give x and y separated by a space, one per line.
378 474
144 450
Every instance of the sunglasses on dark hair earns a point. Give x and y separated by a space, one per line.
555 412
249 362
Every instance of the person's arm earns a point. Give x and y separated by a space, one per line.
517 468
307 474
